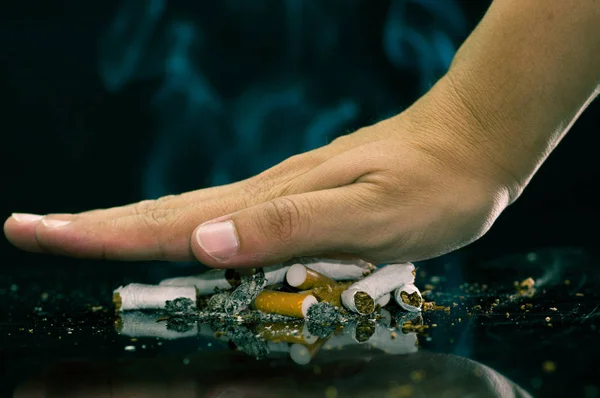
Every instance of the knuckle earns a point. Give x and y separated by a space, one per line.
155 214
284 219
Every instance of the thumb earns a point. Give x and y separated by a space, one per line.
326 221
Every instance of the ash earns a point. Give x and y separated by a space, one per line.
217 302
245 340
323 318
180 306
243 295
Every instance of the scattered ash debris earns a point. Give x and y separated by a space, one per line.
180 306
242 296
323 318
217 302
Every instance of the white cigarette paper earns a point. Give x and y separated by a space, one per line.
138 324
137 296
338 270
380 282
206 283
384 300
409 289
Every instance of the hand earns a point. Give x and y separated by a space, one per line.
408 188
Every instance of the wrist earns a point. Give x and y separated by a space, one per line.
456 127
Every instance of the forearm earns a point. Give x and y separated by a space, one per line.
520 80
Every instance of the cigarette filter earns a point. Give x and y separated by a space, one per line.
137 296
289 304
303 278
302 354
138 324
362 295
207 283
409 298
286 332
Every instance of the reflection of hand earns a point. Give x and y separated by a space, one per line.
420 374
407 188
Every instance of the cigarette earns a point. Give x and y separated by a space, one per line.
138 324
331 295
362 295
289 304
303 278
409 298
290 332
384 300
338 270
302 354
137 296
207 283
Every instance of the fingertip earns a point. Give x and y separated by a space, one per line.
19 230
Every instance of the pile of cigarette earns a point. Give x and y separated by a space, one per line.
296 307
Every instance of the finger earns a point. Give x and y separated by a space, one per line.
327 221
21 230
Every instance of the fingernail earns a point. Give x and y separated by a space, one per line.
219 240
25 217
54 223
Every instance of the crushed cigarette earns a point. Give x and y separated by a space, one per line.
139 296
361 296
409 298
338 270
248 290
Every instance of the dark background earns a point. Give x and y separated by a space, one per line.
110 102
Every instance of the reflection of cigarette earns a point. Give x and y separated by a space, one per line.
286 332
304 278
281 347
339 270
386 339
302 354
138 324
136 296
289 304
361 296
409 298
391 342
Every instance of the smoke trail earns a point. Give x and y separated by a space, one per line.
283 78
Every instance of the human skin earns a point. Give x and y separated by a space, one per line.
420 184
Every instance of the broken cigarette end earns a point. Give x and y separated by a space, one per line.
409 298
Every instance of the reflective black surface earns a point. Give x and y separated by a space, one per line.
58 337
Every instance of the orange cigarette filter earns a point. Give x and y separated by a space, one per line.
289 304
304 278
284 332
